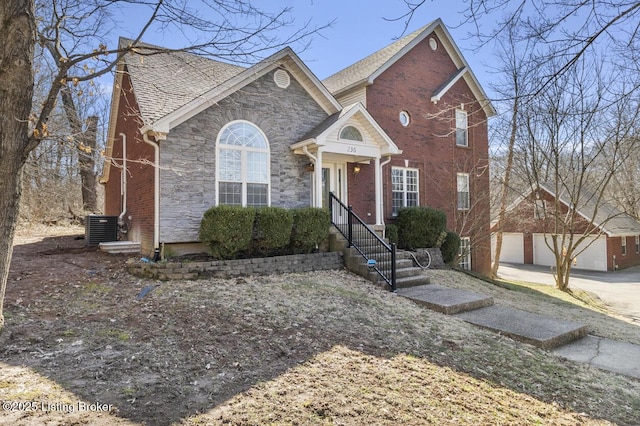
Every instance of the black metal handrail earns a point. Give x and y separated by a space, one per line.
380 256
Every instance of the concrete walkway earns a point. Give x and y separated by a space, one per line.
564 338
611 355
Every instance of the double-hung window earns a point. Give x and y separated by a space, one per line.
624 245
464 202
404 188
462 133
243 165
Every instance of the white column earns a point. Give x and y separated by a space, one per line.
378 188
318 176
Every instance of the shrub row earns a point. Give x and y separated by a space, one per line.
230 231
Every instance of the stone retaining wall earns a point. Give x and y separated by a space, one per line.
237 267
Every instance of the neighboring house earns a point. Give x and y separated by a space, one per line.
405 126
612 242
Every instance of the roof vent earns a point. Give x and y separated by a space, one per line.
282 79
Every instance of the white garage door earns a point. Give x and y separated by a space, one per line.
593 258
512 247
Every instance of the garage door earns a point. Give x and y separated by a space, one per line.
594 257
512 247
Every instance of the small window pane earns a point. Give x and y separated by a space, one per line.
230 193
243 134
257 167
461 128
229 164
465 253
257 194
351 133
463 191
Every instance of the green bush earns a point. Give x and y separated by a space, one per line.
310 228
450 247
420 227
391 232
272 229
227 230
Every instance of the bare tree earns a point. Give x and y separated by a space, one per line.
517 72
568 127
74 32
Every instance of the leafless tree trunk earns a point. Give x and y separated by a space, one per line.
518 74
86 159
86 144
17 25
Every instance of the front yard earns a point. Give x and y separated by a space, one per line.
321 348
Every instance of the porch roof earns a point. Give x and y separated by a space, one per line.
376 143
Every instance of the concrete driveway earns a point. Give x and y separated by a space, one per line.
620 290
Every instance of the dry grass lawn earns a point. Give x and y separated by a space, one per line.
297 349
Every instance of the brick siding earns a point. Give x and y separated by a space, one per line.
428 143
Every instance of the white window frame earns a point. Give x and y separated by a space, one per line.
462 128
623 241
463 203
539 209
244 154
405 188
465 253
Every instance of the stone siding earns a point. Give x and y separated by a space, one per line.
238 267
187 157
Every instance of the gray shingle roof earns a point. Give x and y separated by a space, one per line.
605 215
165 81
366 67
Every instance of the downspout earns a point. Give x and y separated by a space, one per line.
314 160
156 186
123 180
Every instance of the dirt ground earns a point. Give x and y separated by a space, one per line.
86 343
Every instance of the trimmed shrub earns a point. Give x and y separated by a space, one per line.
450 247
310 227
272 229
391 232
420 227
227 230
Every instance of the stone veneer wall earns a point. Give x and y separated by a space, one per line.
187 157
237 267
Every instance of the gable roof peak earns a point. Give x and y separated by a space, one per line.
362 70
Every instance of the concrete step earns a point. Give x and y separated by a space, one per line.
420 279
445 300
120 247
538 330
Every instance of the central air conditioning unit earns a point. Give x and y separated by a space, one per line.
100 229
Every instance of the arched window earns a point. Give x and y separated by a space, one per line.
243 165
351 133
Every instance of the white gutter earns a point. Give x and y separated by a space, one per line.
123 180
156 185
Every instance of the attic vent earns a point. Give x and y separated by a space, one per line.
282 79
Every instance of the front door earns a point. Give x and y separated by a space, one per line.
334 180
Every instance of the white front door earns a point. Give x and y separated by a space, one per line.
334 179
